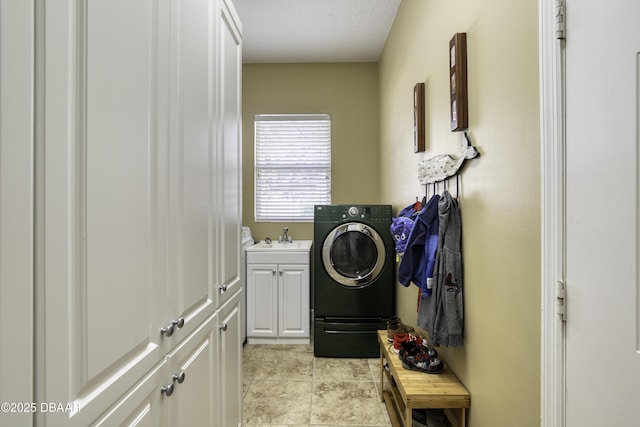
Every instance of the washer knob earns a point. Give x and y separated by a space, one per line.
353 211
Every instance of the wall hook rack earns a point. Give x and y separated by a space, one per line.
441 167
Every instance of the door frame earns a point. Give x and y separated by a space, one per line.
553 217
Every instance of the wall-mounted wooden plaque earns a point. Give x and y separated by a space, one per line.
418 118
458 82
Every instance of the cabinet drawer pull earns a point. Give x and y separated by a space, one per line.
179 377
167 390
179 322
167 331
223 327
223 288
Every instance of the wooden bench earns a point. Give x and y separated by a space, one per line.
411 390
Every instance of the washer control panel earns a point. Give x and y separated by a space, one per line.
352 212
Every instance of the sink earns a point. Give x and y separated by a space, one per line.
295 246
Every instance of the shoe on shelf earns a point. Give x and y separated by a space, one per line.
417 357
399 339
395 326
422 364
413 347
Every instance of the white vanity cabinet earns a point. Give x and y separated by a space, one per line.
278 296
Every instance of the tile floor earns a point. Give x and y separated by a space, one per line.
285 385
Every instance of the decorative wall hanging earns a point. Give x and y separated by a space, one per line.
439 168
418 118
458 82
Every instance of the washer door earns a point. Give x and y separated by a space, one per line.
353 254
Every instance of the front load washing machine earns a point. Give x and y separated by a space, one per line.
353 278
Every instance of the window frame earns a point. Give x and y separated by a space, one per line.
266 212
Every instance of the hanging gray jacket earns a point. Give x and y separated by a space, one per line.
442 314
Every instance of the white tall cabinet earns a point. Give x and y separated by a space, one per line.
137 214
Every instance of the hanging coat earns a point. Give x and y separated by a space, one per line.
441 315
419 258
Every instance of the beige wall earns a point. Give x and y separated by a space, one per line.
499 191
349 93
374 162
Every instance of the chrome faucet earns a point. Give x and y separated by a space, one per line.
285 236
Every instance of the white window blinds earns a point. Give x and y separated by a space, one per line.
292 166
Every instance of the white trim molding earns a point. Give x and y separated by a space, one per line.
552 373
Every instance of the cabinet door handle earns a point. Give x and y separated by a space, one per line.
273 271
179 322
223 288
223 327
179 377
167 390
167 331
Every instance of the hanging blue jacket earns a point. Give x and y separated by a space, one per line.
420 255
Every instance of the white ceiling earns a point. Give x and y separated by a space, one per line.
314 30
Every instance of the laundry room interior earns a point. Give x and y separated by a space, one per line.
319 213
374 162
161 267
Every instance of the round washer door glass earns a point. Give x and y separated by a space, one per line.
353 254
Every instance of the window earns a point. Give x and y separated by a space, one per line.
293 166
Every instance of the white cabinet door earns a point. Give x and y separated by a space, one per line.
199 382
16 206
262 300
136 227
193 368
101 277
142 406
229 155
191 150
230 355
278 301
293 301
